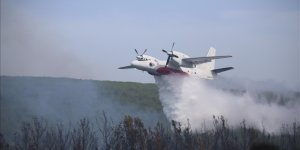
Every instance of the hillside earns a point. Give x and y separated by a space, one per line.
68 100
143 95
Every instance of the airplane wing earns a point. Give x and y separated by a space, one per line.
200 60
126 67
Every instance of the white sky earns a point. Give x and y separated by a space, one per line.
91 39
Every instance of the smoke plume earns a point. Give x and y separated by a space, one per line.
262 105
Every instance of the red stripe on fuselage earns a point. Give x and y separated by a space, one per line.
166 71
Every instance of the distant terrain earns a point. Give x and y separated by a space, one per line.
69 100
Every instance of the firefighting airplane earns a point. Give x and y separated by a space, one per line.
179 63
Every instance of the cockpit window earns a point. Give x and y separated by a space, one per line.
143 59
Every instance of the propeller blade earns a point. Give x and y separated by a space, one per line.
170 54
167 61
173 55
136 52
144 51
172 47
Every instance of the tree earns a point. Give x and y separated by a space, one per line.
83 138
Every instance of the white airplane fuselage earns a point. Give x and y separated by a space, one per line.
179 63
158 67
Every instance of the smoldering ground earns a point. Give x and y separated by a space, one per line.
264 105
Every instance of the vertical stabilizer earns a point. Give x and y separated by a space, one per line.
210 65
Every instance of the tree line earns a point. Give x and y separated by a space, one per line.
131 134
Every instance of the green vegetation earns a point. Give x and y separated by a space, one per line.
143 95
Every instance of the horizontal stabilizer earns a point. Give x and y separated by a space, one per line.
200 60
216 71
126 67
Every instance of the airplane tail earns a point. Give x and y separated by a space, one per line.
210 65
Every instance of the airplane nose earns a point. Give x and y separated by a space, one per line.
138 64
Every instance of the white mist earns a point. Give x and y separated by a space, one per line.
198 100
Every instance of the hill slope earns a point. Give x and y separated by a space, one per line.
68 100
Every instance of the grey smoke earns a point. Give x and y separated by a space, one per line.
198 100
63 100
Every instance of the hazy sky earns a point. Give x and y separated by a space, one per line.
91 39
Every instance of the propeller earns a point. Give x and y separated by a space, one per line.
140 56
170 54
